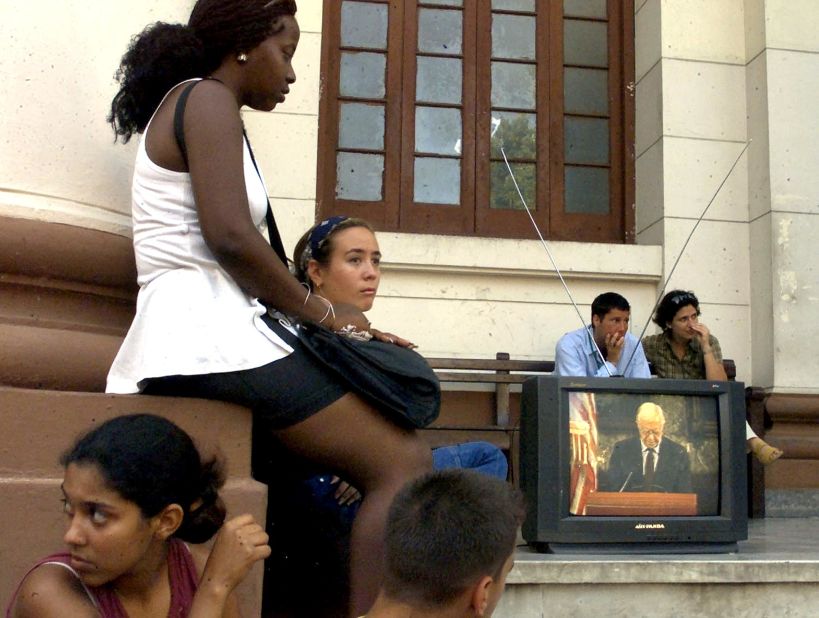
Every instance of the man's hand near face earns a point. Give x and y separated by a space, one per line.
614 347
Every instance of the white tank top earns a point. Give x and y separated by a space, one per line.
191 316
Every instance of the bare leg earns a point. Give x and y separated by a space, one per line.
353 438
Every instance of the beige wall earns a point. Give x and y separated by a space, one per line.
709 75
783 96
690 129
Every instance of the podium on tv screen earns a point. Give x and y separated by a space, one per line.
639 503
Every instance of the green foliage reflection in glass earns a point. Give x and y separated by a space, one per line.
517 134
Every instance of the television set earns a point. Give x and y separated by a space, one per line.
582 465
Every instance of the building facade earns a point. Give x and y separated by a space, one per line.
708 78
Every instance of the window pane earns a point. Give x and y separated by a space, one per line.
585 43
502 192
437 181
445 2
513 36
361 126
586 91
440 31
513 5
359 176
438 80
363 25
587 190
585 8
513 85
586 140
438 130
362 75
516 133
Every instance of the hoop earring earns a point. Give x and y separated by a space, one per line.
241 58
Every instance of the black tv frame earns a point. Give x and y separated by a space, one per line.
545 473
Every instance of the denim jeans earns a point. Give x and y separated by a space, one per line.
482 457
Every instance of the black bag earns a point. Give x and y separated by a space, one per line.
396 380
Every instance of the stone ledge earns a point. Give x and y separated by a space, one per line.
51 420
775 572
792 503
533 569
778 550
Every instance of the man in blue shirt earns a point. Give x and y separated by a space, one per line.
604 348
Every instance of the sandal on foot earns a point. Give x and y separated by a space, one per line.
764 452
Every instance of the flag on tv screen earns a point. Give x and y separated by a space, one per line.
583 433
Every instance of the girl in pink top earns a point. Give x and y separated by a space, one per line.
134 491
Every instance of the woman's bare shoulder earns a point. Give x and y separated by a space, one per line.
52 590
211 105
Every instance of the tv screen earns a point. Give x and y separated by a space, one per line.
613 464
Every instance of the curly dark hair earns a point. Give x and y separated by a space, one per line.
163 54
671 304
151 462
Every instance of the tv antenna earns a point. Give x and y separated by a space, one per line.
495 127
685 244
496 122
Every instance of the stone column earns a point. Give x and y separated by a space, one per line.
691 126
783 96
67 281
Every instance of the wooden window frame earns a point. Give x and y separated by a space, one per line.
473 217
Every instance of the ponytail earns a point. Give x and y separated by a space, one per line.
207 513
164 54
157 59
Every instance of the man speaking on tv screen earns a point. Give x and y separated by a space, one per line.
649 461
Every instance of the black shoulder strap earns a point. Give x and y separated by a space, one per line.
179 119
272 228
179 133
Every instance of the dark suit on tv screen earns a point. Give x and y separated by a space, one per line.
672 472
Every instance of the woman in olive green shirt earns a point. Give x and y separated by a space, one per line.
686 349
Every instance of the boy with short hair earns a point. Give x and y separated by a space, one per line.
450 542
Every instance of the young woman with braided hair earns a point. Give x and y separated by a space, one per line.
214 299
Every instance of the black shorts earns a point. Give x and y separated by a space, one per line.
281 393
